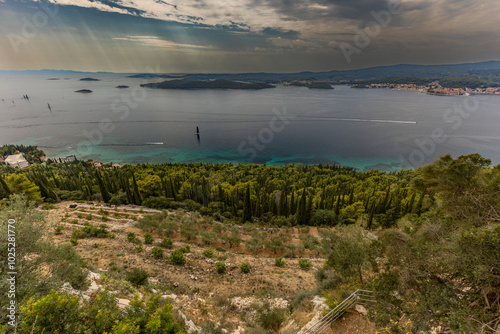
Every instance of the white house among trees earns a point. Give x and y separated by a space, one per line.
17 161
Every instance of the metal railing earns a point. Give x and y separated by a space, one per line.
357 297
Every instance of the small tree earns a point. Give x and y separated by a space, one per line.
245 267
177 257
348 252
148 239
221 267
157 252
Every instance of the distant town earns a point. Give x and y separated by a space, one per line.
434 89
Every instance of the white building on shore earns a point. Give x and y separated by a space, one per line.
17 161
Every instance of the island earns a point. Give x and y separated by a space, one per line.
89 79
208 84
83 91
122 86
311 85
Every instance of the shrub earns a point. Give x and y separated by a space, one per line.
254 245
220 249
208 238
185 249
103 212
74 221
89 216
47 206
73 241
58 230
270 319
304 264
279 262
114 201
167 243
148 239
221 267
208 252
131 236
275 244
188 231
137 277
63 314
210 328
177 257
159 203
289 254
299 297
245 267
157 252
90 231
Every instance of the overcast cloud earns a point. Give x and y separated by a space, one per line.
243 35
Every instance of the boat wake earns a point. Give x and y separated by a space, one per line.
155 143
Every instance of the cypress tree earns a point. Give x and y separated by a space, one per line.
102 187
247 206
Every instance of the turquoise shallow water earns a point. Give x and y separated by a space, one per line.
365 129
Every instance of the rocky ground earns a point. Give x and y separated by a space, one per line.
196 289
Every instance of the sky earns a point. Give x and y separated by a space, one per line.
179 36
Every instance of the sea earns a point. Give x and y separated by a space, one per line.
365 129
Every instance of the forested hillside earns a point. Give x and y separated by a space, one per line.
290 195
427 242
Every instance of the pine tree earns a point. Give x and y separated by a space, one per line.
4 188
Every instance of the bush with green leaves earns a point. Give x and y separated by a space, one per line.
275 244
304 264
131 236
58 230
167 243
220 267
148 239
177 257
279 262
189 231
185 249
270 318
137 277
208 238
254 244
208 252
157 252
47 206
65 313
91 231
245 267
210 328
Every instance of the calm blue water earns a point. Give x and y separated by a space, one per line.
365 129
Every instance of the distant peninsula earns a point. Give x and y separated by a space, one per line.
208 84
83 91
122 86
89 79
